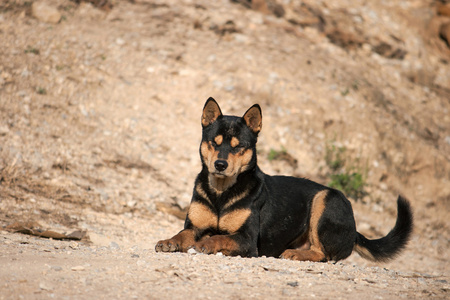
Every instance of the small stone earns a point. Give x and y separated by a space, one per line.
56 268
120 41
444 9
192 251
140 262
4 130
444 33
44 286
73 245
78 268
241 38
45 13
114 246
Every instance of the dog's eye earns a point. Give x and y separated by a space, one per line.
243 145
239 147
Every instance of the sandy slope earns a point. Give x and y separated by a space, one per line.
100 125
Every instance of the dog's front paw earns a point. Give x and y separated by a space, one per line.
170 245
180 242
217 243
207 246
304 255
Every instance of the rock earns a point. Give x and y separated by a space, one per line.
4 130
45 286
114 246
192 251
56 268
45 13
73 245
444 10
444 33
120 41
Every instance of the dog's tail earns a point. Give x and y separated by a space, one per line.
388 247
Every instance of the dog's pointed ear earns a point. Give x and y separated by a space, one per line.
211 111
253 118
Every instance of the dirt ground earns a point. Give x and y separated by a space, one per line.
100 127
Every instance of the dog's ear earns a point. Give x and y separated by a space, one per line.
211 111
253 118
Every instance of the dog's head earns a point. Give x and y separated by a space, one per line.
228 145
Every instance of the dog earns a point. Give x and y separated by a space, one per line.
236 209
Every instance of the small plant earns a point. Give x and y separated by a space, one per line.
276 154
334 156
355 85
282 155
346 176
345 92
351 184
32 50
41 91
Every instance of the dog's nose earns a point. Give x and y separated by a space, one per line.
220 165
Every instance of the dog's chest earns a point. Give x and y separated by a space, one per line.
227 219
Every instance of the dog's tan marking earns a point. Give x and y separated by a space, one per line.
236 199
315 251
317 208
201 216
364 252
244 159
234 142
218 140
219 185
234 220
209 155
201 192
237 163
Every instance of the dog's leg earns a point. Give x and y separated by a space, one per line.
314 252
180 242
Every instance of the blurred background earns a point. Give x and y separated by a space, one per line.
100 105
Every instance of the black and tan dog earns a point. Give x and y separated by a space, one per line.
236 209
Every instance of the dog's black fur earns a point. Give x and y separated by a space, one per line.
236 209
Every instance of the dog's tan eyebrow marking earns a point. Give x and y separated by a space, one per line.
234 142
218 139
234 220
201 216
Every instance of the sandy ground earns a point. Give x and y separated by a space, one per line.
100 128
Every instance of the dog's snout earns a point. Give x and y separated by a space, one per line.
220 165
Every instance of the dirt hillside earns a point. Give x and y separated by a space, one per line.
100 105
